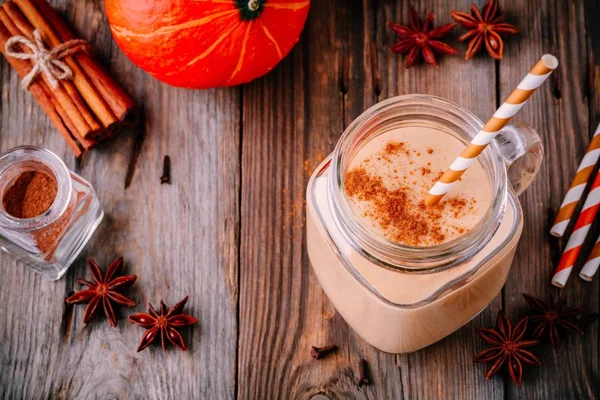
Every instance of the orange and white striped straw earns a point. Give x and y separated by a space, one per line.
591 265
567 208
582 227
540 72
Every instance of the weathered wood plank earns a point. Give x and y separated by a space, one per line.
560 112
364 28
292 118
444 370
591 362
179 239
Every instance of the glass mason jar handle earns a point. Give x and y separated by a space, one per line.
522 150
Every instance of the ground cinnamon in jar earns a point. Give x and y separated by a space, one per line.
31 194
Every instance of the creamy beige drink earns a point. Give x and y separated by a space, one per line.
402 275
390 175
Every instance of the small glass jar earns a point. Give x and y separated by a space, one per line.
402 298
51 241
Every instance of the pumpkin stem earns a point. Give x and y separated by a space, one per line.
250 9
253 5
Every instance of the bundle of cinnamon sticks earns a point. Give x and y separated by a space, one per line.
86 109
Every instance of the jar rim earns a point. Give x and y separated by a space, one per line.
23 155
413 259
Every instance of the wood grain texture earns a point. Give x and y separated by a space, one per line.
432 373
292 119
179 239
229 231
560 111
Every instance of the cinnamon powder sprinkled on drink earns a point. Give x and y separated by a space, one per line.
398 211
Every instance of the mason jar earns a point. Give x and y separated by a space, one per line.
50 242
402 298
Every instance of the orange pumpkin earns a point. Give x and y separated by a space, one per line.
206 43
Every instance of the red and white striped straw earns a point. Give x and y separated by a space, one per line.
538 74
567 208
591 265
582 227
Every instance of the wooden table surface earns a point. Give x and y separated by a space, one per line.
230 230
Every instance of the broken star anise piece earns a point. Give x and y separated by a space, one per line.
420 39
507 347
104 290
484 27
552 315
163 322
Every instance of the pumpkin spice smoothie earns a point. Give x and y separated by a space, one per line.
367 228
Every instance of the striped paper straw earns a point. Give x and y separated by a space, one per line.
540 72
582 226
567 208
591 265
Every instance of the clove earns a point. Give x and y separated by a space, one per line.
321 352
363 373
166 175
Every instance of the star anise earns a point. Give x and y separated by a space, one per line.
507 347
553 315
104 290
163 322
419 39
484 28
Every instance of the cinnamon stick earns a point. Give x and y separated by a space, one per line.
121 104
85 143
93 99
16 24
77 128
89 108
22 68
45 96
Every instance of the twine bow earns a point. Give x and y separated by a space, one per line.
44 61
